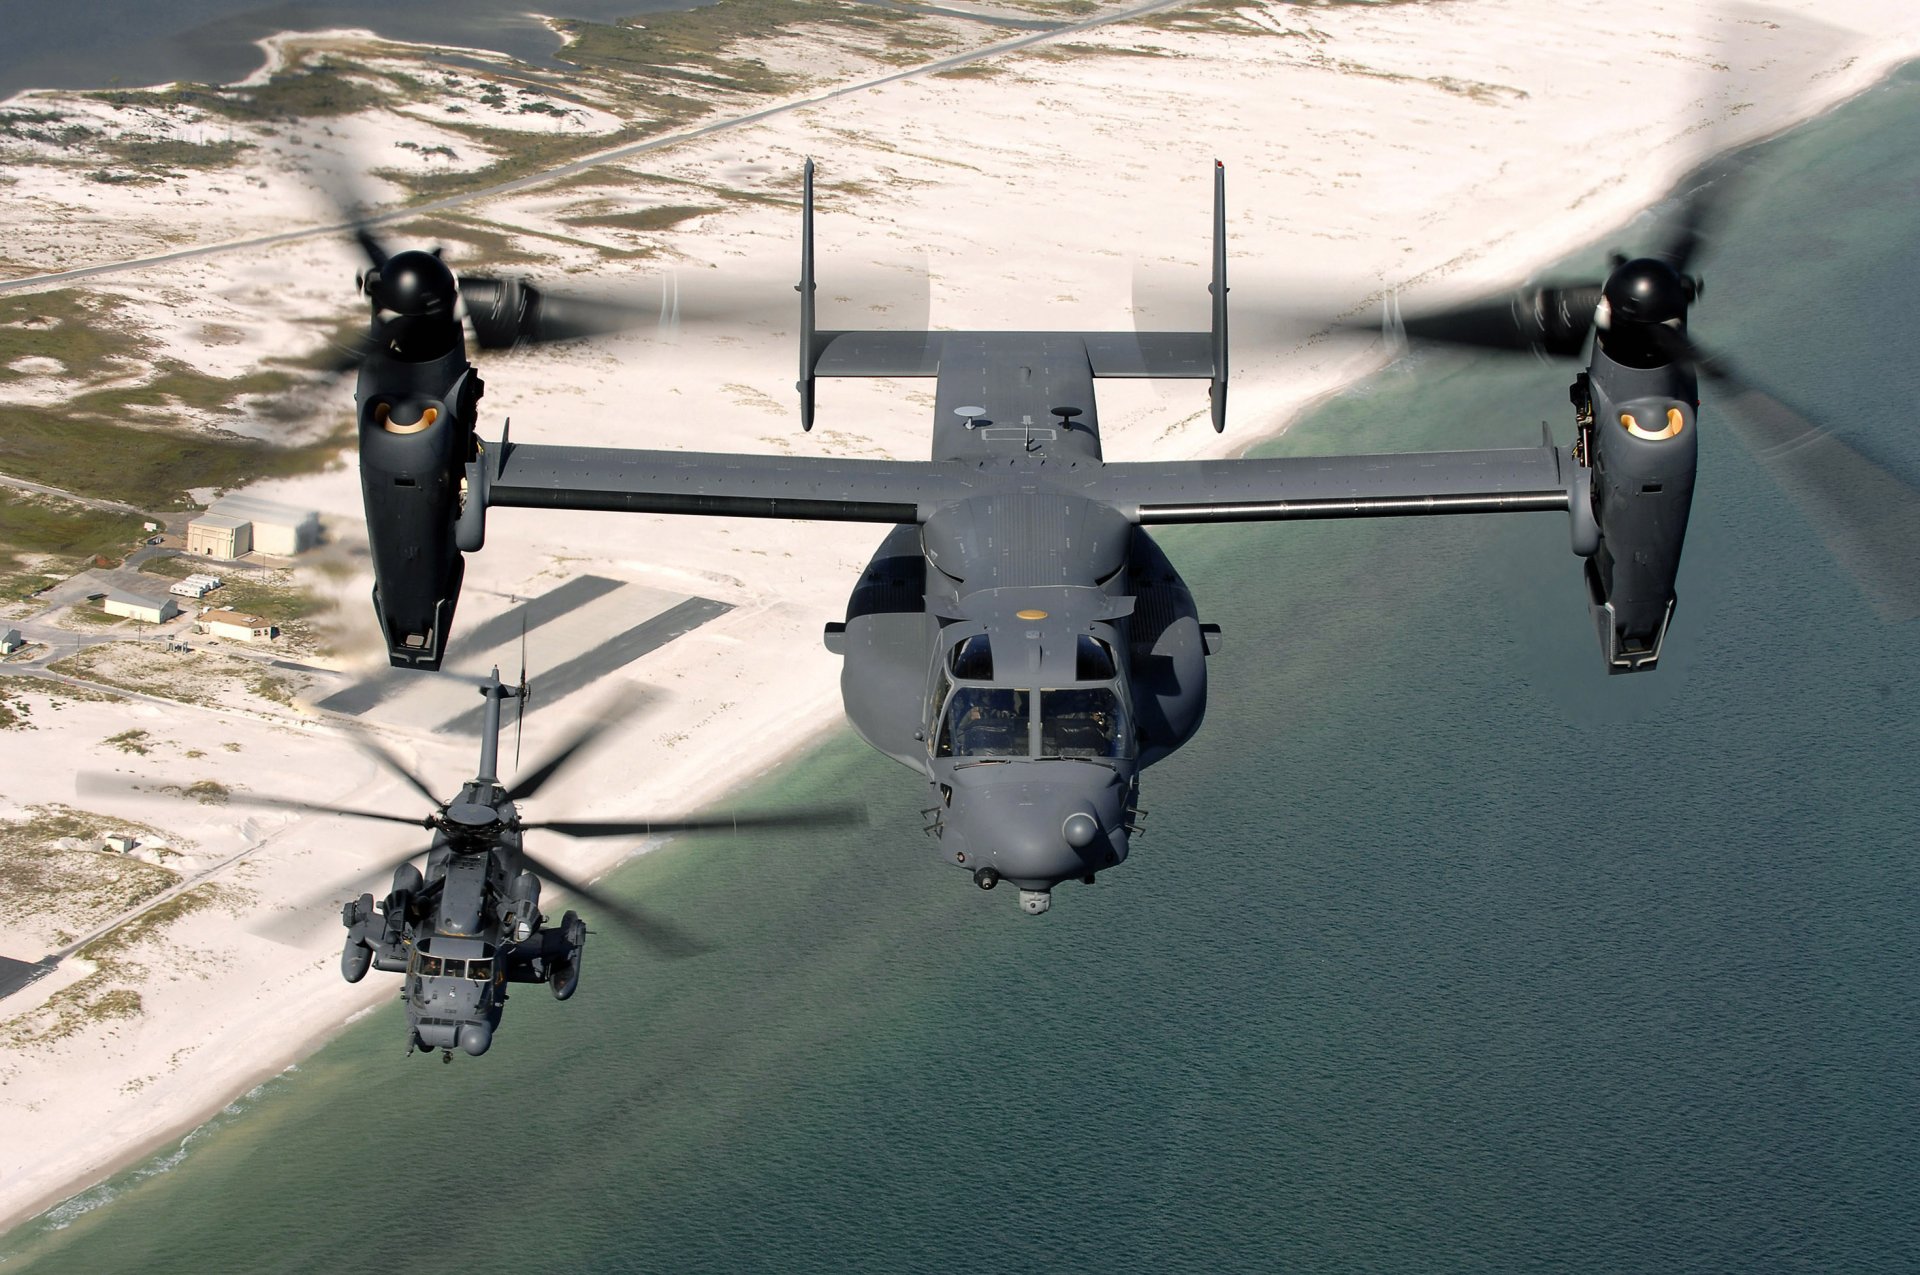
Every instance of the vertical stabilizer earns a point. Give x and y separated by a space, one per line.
808 354
1218 391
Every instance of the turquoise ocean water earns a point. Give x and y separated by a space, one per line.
1444 951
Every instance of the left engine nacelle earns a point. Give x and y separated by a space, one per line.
1639 430
421 480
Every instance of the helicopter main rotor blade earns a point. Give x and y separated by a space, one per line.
99 783
378 753
301 919
663 936
1868 515
818 817
531 782
320 808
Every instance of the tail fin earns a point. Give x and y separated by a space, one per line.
808 354
1218 391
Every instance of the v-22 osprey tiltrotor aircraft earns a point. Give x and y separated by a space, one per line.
1018 638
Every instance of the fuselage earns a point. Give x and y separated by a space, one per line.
1027 650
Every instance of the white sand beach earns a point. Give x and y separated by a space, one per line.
1437 148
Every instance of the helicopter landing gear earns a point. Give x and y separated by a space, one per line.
1034 902
446 1056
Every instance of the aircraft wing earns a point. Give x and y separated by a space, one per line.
722 483
1507 480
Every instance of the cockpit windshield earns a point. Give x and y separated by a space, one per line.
985 721
1084 722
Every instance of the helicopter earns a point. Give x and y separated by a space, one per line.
1018 639
470 922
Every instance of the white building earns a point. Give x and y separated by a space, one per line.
281 530
196 586
138 606
238 626
11 641
220 535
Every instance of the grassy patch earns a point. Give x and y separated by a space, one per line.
145 669
659 217
147 468
103 996
325 87
85 332
33 524
130 741
79 888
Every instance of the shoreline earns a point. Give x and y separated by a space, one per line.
1278 406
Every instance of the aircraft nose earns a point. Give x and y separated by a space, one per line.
1037 833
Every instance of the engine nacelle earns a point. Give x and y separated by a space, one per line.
1643 453
424 494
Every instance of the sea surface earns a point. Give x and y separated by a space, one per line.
1444 951
131 43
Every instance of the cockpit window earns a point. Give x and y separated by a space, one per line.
480 971
985 721
429 966
456 969
1084 722
973 659
1093 660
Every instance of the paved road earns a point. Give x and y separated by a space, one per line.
109 506
612 156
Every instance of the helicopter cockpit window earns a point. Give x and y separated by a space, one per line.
455 969
429 966
1083 722
480 971
1093 660
973 659
985 721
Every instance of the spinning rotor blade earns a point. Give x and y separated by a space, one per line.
318 808
301 918
531 782
663 936
1550 320
818 817
376 752
1868 515
99 783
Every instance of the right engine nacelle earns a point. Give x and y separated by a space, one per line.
1642 449
418 457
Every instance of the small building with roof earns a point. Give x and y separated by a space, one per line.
281 530
237 625
220 535
140 606
11 641
196 586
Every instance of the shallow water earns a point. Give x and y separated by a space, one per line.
1443 951
131 43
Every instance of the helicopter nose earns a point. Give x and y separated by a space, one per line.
1037 833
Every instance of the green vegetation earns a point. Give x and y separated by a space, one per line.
130 741
324 88
149 468
659 217
207 792
14 711
83 331
271 596
102 996
142 668
38 524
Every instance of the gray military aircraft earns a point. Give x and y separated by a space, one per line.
1018 638
470 923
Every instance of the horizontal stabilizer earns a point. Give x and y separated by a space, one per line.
877 354
1173 355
